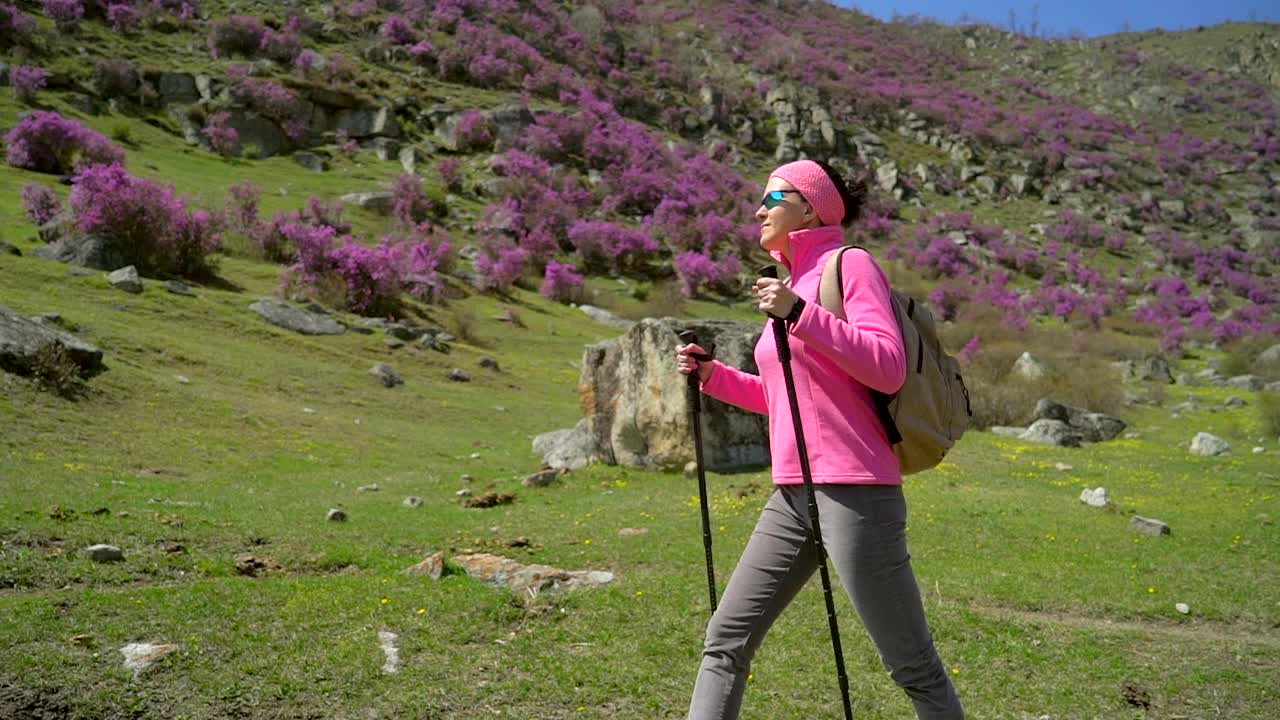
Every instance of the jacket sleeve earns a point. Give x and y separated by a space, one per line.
868 345
731 385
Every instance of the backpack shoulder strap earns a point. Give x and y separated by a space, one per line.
831 297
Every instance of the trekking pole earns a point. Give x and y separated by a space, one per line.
694 398
784 356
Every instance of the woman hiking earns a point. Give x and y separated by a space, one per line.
854 471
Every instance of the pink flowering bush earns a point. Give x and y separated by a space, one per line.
15 25
697 271
26 81
65 14
606 246
499 264
222 138
46 142
409 202
241 206
123 17
236 35
398 31
40 203
450 171
153 227
561 282
269 99
473 131
429 259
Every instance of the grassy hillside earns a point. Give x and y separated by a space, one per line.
213 434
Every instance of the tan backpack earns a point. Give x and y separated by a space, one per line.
931 410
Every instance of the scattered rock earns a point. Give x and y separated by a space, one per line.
82 640
1155 367
1029 368
488 363
391 663
1252 383
126 279
336 515
503 573
632 532
105 553
23 340
488 500
412 501
281 314
1135 695
90 251
393 343
1051 432
605 317
1149 526
1208 445
177 287
432 567
7 249
1182 608
378 202
385 375
372 487
569 449
458 375
542 478
252 565
311 161
140 656
1094 498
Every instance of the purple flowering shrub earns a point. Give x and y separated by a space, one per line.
450 172
27 81
240 206
473 131
500 263
46 142
223 139
269 99
372 276
698 271
123 17
410 205
561 283
429 259
604 246
398 31
40 203
15 25
65 14
236 35
154 227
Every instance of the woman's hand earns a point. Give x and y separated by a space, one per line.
686 363
776 298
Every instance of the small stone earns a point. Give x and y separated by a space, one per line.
309 411
1182 608
488 363
464 492
1208 445
412 501
466 478
1094 498
457 375
1149 526
632 532
336 515
105 553
393 343
432 567
542 478
691 469
126 279
182 379
387 376
1259 450
177 287
140 656
83 640
474 456
372 487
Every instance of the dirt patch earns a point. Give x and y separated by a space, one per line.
488 500
22 703
1197 631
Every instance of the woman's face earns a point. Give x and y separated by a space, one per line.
788 214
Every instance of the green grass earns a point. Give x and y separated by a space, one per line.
1039 605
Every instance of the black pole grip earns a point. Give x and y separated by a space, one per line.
694 396
769 271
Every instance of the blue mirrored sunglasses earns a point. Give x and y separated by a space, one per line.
773 198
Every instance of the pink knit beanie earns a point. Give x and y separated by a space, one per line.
817 188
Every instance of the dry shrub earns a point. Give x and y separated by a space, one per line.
54 371
1269 413
1242 358
464 326
665 300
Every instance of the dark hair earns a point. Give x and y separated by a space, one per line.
853 194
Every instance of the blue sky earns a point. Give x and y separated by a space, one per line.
1091 17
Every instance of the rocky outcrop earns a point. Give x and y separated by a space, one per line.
22 341
634 399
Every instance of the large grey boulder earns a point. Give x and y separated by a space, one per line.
509 125
22 339
258 131
1029 367
126 279
634 398
1267 364
282 314
1089 426
365 122
377 201
1155 367
91 251
179 88
1051 432
567 449
1208 445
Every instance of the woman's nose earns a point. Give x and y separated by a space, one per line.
761 212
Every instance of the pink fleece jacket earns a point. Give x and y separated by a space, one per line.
834 363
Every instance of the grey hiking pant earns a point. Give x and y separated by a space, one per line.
864 531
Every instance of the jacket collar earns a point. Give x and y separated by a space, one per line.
808 247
